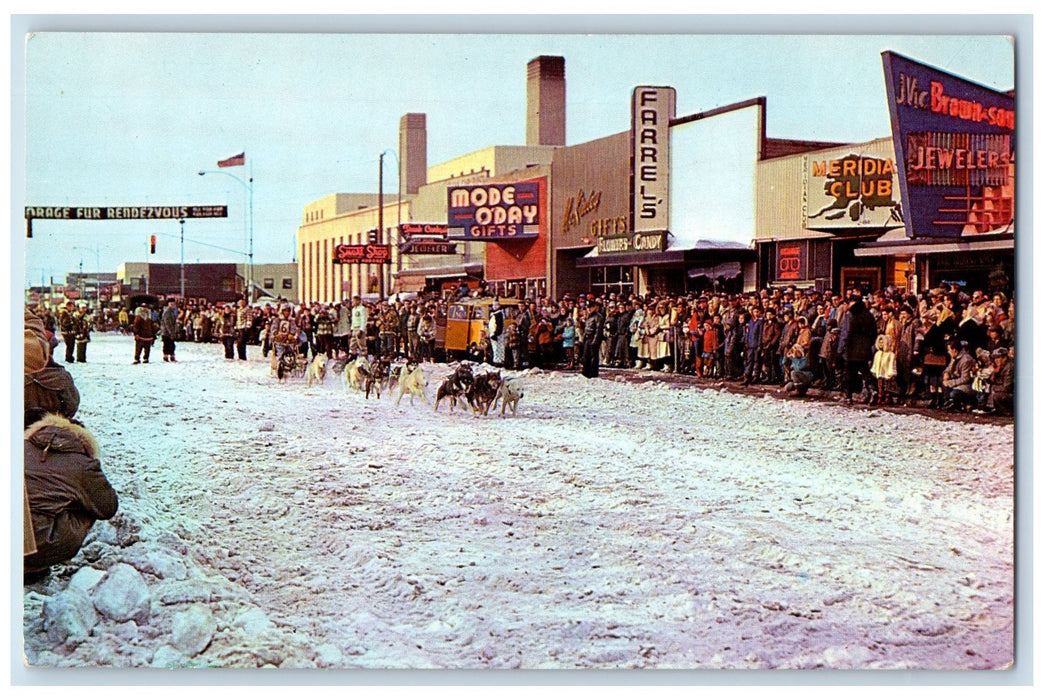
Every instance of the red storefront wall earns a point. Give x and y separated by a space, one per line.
510 260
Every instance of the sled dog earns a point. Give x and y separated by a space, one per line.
412 382
376 378
483 391
317 369
454 386
509 394
355 373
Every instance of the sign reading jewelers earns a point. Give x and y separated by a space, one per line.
955 148
652 109
494 212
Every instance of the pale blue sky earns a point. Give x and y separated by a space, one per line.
129 119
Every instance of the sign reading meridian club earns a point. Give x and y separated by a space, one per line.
652 109
190 211
494 211
955 144
854 190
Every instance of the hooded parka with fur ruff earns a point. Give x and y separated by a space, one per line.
66 487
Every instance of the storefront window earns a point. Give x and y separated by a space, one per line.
608 280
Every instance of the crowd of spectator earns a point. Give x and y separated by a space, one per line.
944 348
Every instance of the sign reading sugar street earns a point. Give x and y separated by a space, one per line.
189 211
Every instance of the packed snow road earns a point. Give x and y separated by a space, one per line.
607 525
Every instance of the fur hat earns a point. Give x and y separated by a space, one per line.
37 347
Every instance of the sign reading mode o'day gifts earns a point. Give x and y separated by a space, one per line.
494 212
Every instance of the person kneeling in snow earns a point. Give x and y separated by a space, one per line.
65 487
800 377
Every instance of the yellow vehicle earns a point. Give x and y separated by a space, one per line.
467 321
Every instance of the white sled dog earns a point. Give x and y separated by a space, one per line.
510 392
355 373
317 369
412 381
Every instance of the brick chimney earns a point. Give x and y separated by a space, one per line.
413 152
545 101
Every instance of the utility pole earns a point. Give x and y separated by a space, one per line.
182 222
380 215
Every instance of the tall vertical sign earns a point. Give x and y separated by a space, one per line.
955 150
652 109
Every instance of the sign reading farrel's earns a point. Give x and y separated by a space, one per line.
652 109
494 211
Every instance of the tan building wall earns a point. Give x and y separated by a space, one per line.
276 279
345 218
491 162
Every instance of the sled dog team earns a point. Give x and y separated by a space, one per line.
480 392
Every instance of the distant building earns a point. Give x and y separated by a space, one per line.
207 282
276 281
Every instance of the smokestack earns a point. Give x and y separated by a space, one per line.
413 152
545 101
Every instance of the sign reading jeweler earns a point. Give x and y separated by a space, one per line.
633 243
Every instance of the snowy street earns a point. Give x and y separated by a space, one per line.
608 525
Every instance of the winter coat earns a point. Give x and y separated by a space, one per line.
343 323
752 333
66 487
858 332
284 331
227 325
52 389
770 335
960 372
635 327
144 328
244 318
168 322
1002 381
884 366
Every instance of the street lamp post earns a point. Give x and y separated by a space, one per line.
249 185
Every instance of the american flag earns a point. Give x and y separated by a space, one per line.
239 159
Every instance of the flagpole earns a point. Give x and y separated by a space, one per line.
250 265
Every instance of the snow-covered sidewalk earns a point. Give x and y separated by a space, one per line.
607 525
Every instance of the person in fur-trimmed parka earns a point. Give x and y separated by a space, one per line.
66 487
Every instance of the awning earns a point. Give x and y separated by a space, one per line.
920 246
727 270
704 252
436 273
593 259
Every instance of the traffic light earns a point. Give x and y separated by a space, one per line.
373 236
152 244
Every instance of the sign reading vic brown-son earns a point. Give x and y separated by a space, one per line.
955 144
